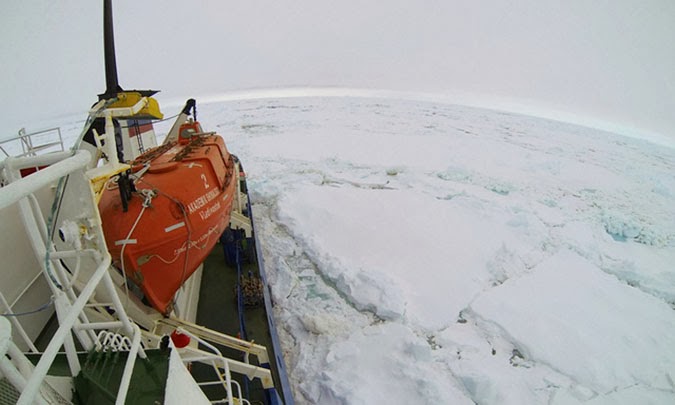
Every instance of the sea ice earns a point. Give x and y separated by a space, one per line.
586 324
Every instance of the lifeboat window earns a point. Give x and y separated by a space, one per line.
187 133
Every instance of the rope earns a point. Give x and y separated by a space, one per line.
187 225
188 244
172 261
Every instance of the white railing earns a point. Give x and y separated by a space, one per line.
69 302
242 346
223 367
218 362
31 144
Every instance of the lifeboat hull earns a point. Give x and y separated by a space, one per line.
181 205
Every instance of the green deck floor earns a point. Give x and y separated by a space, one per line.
217 310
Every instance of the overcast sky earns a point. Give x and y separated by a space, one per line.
612 61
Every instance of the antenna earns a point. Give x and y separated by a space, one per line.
112 85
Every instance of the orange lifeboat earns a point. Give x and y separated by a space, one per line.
176 205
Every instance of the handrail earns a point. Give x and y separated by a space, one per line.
61 164
26 142
189 354
220 338
219 357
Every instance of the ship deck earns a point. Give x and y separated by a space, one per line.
217 310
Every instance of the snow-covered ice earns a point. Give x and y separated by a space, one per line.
431 253
586 324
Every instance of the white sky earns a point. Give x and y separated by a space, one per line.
609 61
